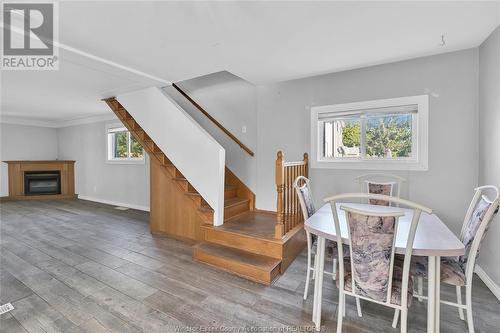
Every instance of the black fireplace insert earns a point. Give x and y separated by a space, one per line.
42 182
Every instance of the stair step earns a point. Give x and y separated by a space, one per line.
251 266
232 207
230 191
238 240
121 113
182 182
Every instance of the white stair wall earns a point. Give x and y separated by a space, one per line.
193 151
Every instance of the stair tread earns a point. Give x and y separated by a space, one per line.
259 261
227 203
226 188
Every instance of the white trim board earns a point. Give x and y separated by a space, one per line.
114 203
495 289
56 123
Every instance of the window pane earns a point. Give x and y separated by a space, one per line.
342 138
389 135
120 145
136 150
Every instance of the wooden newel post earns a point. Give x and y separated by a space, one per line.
279 228
306 162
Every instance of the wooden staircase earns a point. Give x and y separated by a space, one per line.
244 245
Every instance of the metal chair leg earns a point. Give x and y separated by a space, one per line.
395 319
420 282
358 306
308 274
459 302
468 303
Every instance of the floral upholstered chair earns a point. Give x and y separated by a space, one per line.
371 271
458 271
303 190
380 183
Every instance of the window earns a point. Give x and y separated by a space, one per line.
388 134
123 147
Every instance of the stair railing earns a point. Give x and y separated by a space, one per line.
288 211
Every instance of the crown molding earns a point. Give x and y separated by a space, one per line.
56 123
26 121
85 120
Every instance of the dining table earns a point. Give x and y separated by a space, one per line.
433 239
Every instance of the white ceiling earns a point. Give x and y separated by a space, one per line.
262 42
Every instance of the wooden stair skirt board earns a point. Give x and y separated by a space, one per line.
250 266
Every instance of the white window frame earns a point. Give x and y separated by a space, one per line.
109 148
420 136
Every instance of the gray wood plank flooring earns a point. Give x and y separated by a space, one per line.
79 266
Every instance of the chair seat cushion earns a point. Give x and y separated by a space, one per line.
451 270
397 283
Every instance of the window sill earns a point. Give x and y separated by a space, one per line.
143 161
370 165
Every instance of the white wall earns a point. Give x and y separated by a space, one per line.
489 143
20 142
232 101
196 154
126 184
451 79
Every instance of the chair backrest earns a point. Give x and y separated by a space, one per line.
301 185
481 211
372 236
380 183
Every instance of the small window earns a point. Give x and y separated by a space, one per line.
122 146
386 134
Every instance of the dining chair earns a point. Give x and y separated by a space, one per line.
303 189
459 271
371 272
380 183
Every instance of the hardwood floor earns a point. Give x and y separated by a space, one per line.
78 266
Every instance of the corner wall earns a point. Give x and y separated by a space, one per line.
95 179
489 144
22 142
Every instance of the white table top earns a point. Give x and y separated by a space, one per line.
433 238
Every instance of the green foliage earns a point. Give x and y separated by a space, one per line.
135 148
391 134
120 144
351 134
384 134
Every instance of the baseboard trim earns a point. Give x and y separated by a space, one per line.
114 203
495 289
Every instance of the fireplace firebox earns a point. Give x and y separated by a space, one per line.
42 182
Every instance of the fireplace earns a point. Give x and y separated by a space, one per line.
42 182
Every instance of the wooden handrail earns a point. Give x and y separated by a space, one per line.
213 120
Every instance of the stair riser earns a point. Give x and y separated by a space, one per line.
235 210
245 243
230 193
235 267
